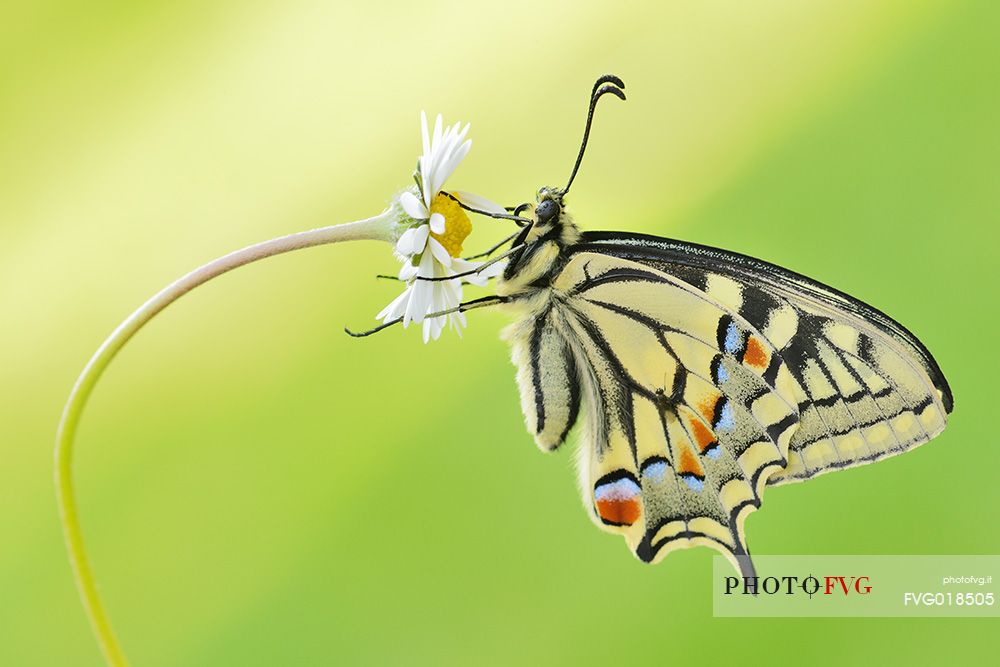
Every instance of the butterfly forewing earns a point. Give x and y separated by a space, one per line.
865 387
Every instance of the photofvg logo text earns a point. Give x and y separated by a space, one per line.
882 585
790 585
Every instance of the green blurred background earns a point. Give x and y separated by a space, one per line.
257 488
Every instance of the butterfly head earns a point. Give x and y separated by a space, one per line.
551 221
549 207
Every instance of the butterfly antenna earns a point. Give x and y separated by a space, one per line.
609 83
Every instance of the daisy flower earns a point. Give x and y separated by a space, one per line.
431 246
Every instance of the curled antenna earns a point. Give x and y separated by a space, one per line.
609 83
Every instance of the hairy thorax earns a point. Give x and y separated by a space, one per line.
527 279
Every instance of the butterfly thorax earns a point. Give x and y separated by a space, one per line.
541 255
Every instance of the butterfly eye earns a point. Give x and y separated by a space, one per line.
547 211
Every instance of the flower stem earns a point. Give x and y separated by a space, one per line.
380 227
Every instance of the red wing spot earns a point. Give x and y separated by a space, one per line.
756 354
619 511
702 435
708 408
689 463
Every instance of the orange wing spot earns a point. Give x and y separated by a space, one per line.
689 463
619 511
707 408
756 354
702 435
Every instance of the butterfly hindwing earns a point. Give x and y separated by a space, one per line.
689 409
865 387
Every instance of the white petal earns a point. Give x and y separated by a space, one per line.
434 325
395 308
494 269
405 242
424 134
452 291
416 308
431 329
461 266
460 153
477 279
454 160
420 234
413 240
427 267
407 272
465 131
437 223
482 275
421 300
456 321
479 203
449 164
436 143
426 167
413 206
440 254
444 163
453 139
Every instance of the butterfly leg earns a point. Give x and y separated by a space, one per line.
482 302
494 248
474 272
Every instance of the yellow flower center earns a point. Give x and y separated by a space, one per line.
457 225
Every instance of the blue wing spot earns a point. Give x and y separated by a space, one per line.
721 374
727 420
655 471
732 343
713 452
693 482
622 489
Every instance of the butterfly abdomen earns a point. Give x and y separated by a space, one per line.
547 373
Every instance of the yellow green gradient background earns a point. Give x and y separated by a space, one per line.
257 488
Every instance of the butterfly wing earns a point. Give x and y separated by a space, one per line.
689 408
865 387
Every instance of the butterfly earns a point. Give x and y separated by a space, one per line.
698 376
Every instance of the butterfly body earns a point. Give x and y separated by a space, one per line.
700 377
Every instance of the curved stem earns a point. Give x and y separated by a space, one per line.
380 227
